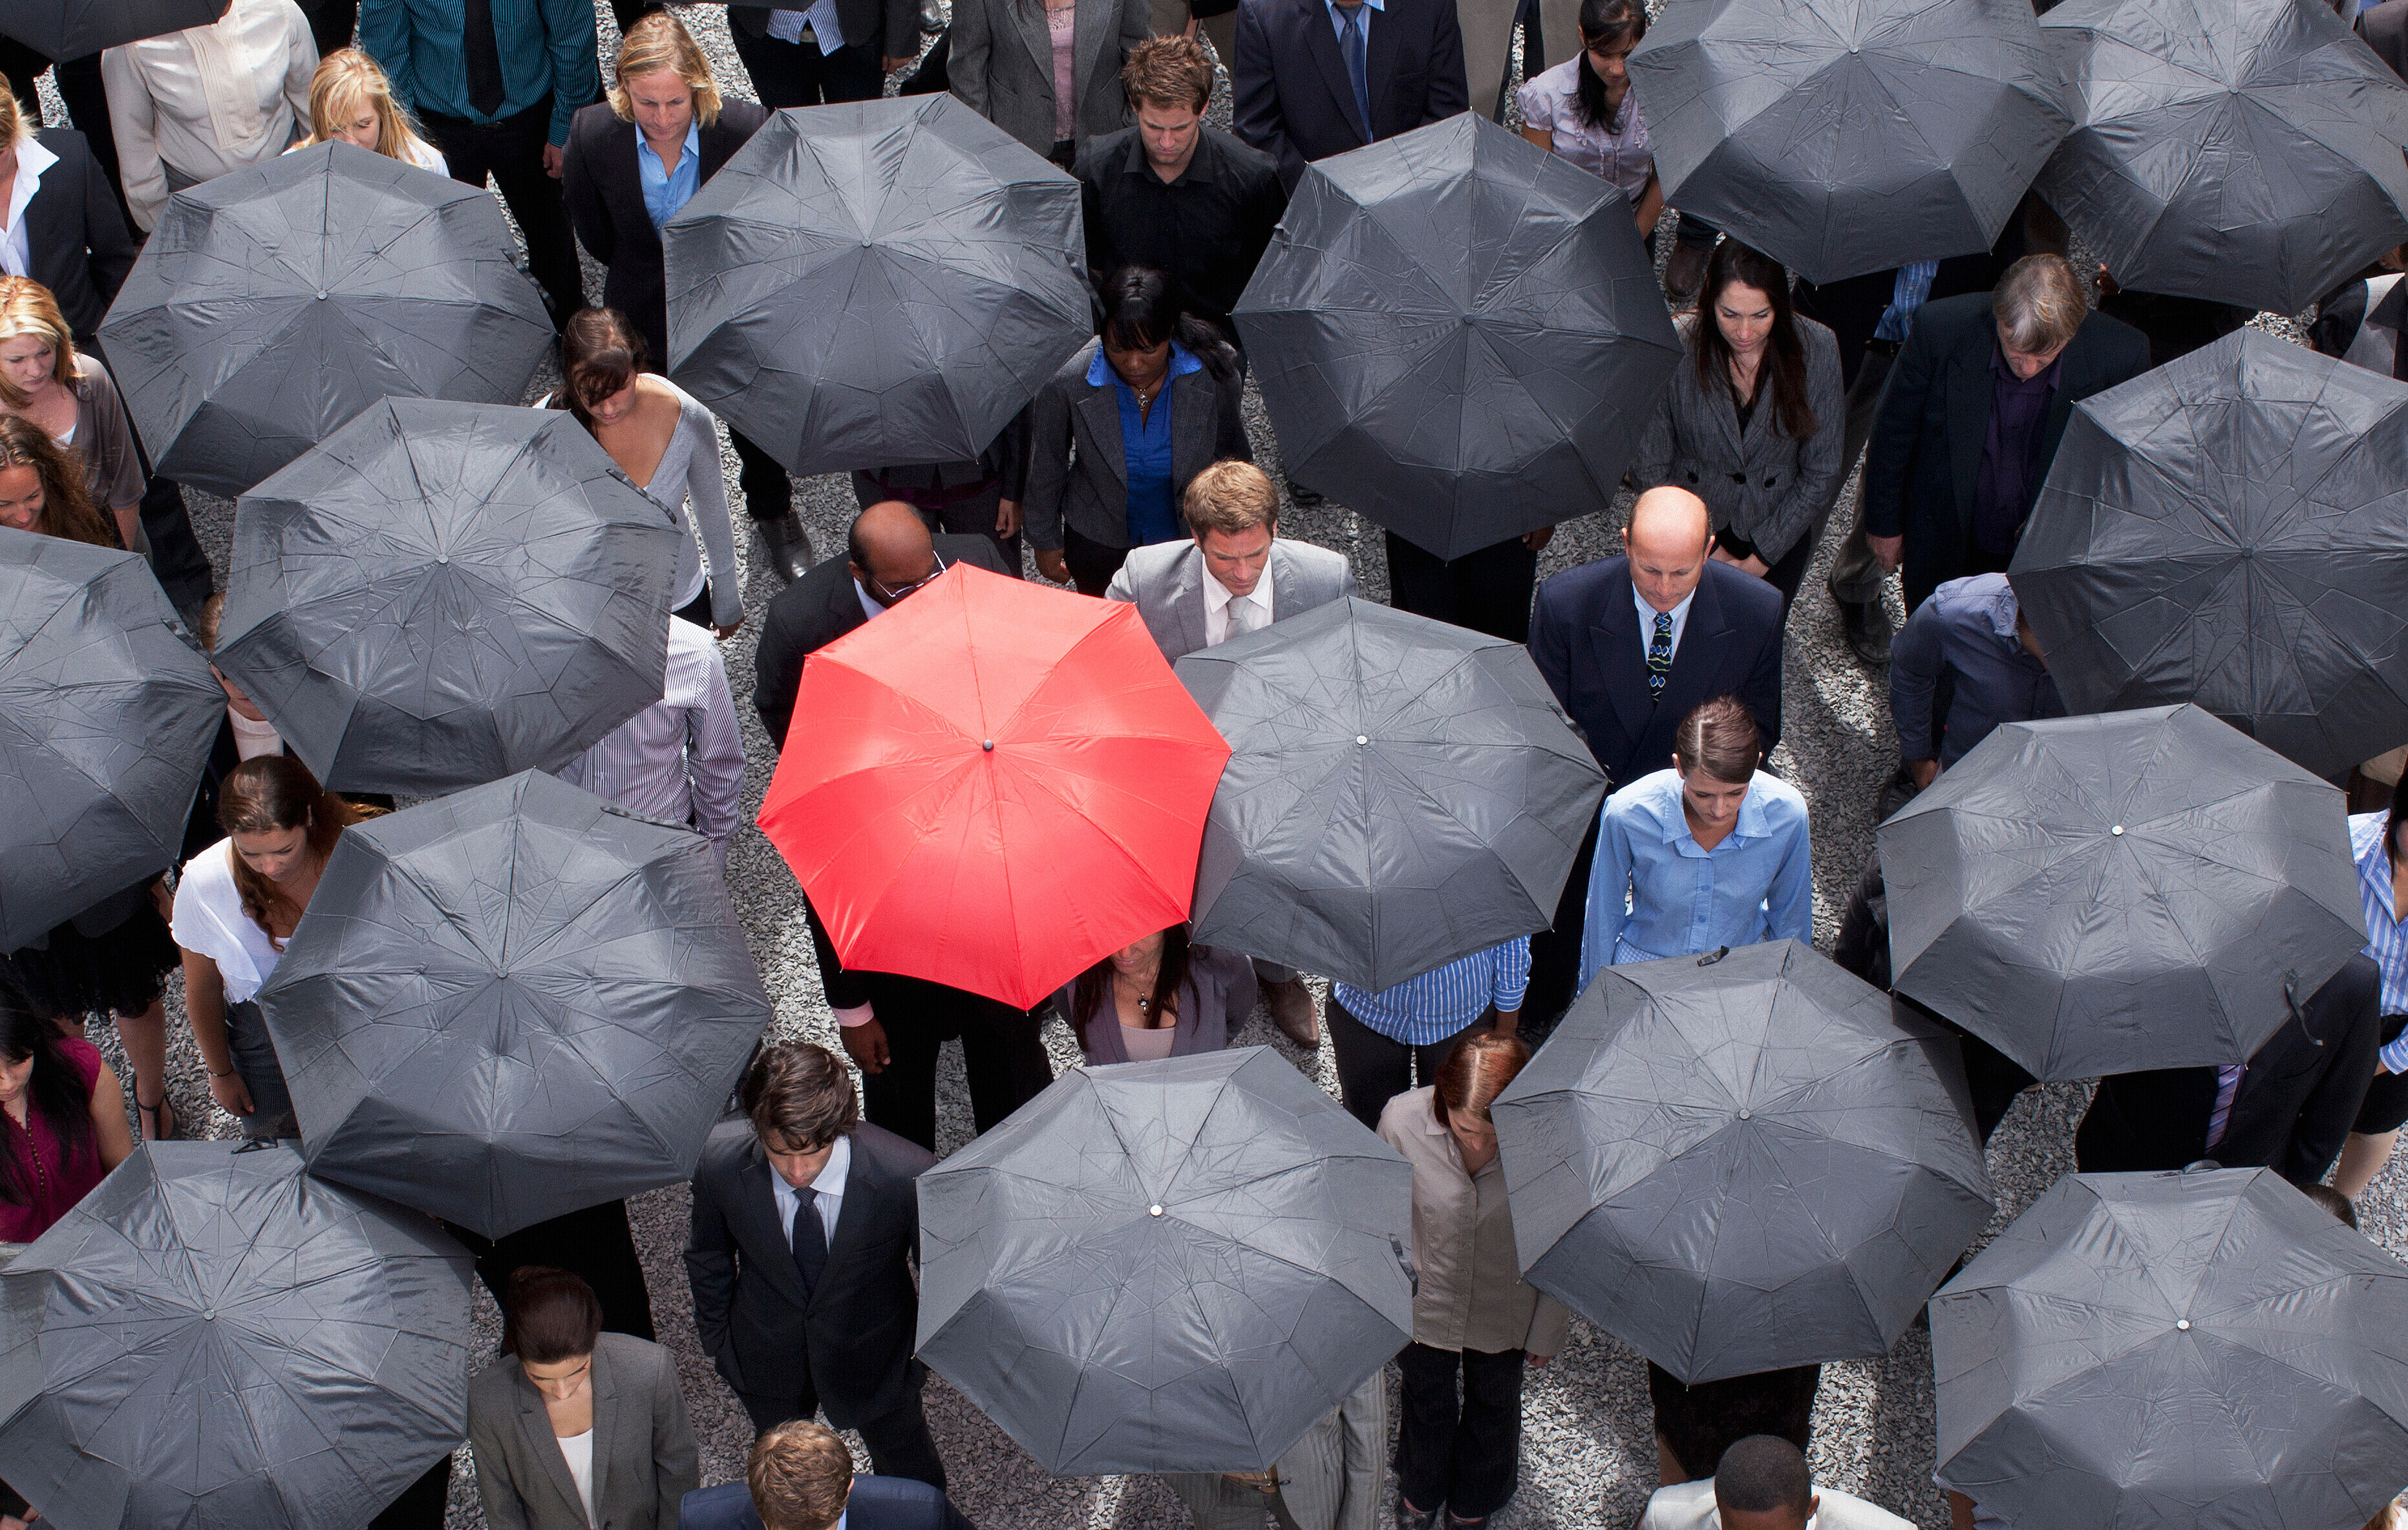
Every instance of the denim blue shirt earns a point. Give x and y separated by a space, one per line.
1145 446
1425 1010
1653 893
665 189
547 48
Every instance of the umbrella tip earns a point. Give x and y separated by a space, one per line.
1154 1210
987 744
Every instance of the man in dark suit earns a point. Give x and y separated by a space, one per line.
794 62
1317 78
805 1229
2289 1109
1709 630
801 1477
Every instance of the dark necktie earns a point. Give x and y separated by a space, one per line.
482 55
1659 656
1352 45
811 1239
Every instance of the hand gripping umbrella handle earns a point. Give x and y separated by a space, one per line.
1714 955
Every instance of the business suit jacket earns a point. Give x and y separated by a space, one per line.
1690 1505
848 1343
1295 101
1328 1481
1002 64
817 610
892 24
1165 583
1585 638
1925 456
74 235
877 1503
643 1448
2385 28
605 201
2295 1103
1090 492
1761 484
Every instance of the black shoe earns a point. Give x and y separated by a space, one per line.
788 546
1866 625
1306 499
1409 1518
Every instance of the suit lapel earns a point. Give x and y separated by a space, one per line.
757 1199
1321 41
1097 21
1703 638
1615 637
861 1183
1192 404
1187 597
606 1432
1969 420
1101 409
545 1445
1380 68
1030 19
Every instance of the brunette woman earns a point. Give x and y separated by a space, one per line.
62 1121
1158 997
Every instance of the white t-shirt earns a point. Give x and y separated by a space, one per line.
209 922
578 1452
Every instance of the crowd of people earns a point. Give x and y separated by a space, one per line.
1130 477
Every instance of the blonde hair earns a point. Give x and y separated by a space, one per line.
348 80
1230 496
14 130
660 41
27 308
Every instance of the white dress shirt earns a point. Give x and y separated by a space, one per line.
208 99
828 1188
1647 615
681 759
16 254
1217 601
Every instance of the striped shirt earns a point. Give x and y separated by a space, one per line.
1423 1010
2387 938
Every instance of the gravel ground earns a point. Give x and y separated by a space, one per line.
1588 1456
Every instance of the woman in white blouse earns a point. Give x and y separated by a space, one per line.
194 105
350 99
1581 109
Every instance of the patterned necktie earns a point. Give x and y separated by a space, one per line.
1659 656
811 1239
1356 64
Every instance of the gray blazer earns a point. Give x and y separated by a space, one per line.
1165 583
1214 1003
1766 487
1002 64
643 1448
1091 493
1329 1479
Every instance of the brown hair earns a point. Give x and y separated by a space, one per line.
800 1476
600 354
27 308
67 510
1168 72
2040 303
270 794
348 80
1230 496
799 1095
1475 1073
1720 737
660 41
1734 264
553 1316
1092 989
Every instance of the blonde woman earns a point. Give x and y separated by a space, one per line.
74 238
351 100
71 396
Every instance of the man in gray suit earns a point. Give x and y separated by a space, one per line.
1327 1480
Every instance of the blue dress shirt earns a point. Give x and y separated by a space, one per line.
665 189
1338 16
1647 615
1653 893
547 48
1908 291
1425 1010
2386 938
1145 446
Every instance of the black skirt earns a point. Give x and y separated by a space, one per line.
2386 1098
122 969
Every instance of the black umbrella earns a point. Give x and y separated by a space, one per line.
2201 1351
2245 153
876 284
444 594
514 1003
1741 1162
213 1340
1401 793
276 303
74 29
106 712
1843 136
2102 895
1166 1266
2232 530
1459 335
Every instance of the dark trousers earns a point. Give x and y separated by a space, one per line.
1555 952
176 554
797 74
1460 1448
972 516
422 1505
899 1440
768 488
596 1243
1855 577
330 26
628 12
1697 233
1488 591
1091 564
1373 1070
1790 572
1001 1051
511 151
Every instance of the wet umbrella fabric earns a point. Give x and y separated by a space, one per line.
1459 335
1401 793
2201 1350
2231 529
1741 1163
444 594
1178 1265
876 284
74 29
514 1003
2244 151
106 713
2104 894
214 1341
1847 137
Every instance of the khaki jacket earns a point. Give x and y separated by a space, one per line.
1470 1295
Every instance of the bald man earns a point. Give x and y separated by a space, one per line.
1630 645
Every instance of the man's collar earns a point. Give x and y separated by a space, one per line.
2004 371
1201 166
1217 595
870 609
1331 6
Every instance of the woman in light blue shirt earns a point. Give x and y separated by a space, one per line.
1708 853
2374 844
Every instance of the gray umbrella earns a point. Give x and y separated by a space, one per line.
1459 335
2245 153
513 1002
2201 1351
444 594
2102 895
2232 530
1166 1266
1401 793
1741 1162
1843 136
877 284
213 1340
276 303
74 29
106 712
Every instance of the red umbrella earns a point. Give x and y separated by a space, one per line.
993 786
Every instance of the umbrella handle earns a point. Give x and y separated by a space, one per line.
2292 998
255 1144
1405 1263
1714 955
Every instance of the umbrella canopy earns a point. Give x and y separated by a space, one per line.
993 786
1401 793
274 303
514 1003
2231 529
1178 1265
2104 894
876 284
1459 335
106 713
2203 1350
213 1340
444 594
1741 1162
74 29
1845 137
2244 151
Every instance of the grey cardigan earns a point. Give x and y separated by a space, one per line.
644 1457
1090 493
1214 1003
1002 64
1764 486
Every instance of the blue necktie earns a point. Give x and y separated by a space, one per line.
811 1239
1659 656
1352 44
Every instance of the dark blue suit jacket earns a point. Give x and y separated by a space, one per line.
1295 102
877 1503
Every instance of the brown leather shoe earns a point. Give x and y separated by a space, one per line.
1291 1007
1686 274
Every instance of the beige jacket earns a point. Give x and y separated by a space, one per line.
1470 1295
208 99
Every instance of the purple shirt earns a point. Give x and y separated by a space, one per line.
2003 490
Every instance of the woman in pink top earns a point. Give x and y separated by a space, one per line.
62 1121
1581 109
1048 72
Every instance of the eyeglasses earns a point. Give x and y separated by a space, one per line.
890 593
